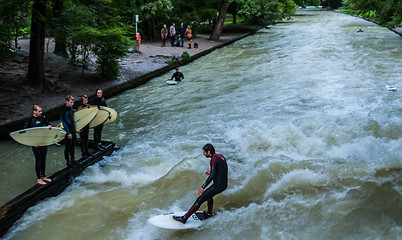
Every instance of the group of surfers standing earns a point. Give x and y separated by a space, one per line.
67 119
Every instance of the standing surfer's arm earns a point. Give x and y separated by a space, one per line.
47 123
209 179
65 125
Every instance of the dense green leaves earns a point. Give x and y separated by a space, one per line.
304 3
264 12
13 24
386 12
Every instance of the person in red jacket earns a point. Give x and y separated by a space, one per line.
138 38
218 174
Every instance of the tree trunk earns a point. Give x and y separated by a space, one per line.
60 47
216 33
36 72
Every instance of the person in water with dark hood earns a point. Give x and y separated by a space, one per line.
178 76
218 174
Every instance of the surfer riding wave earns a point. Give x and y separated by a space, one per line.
218 174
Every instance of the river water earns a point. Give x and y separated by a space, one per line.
300 110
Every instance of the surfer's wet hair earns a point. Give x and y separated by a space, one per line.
35 107
69 97
209 147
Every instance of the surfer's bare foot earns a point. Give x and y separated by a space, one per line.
41 182
46 179
181 219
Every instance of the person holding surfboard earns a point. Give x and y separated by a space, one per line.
84 134
218 173
67 119
99 101
178 76
40 152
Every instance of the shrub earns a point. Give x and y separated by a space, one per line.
185 55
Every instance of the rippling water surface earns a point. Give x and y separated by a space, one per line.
300 110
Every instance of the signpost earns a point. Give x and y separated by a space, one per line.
136 20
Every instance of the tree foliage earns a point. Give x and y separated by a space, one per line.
14 23
305 3
386 12
264 12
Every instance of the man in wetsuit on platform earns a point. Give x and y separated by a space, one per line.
67 119
99 101
178 76
218 174
84 134
40 152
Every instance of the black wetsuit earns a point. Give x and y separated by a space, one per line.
67 118
98 130
219 176
84 135
177 76
41 151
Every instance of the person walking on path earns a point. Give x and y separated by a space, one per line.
67 119
189 35
84 134
99 101
40 152
172 31
182 31
164 34
218 173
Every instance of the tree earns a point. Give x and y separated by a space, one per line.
304 3
59 32
14 23
386 12
155 9
263 12
36 65
216 33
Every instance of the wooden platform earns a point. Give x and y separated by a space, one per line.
14 209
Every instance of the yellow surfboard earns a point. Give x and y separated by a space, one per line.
83 116
113 114
101 117
42 136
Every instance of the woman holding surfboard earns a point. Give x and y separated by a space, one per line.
99 101
40 152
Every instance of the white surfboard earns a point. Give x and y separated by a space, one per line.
171 82
113 114
390 87
82 117
42 136
101 117
166 221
